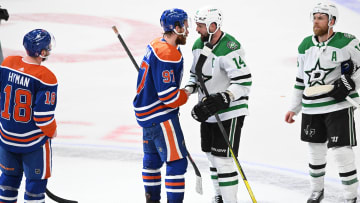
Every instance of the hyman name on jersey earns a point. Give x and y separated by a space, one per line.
18 79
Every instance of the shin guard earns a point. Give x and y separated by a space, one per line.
151 175
9 186
228 178
345 160
35 190
175 180
213 174
317 164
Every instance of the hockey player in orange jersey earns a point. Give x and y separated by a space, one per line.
27 123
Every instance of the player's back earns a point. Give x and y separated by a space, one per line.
27 104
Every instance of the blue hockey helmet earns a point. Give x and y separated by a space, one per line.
37 40
173 17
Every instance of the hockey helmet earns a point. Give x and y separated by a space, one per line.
326 8
173 17
37 40
208 15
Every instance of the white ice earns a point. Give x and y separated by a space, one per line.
97 156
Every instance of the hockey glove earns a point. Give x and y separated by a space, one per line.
216 102
210 105
200 112
347 67
342 88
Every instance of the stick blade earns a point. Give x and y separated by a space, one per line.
318 90
198 186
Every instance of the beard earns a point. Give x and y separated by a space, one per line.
321 31
181 39
204 38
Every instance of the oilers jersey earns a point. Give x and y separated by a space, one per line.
319 63
27 104
158 95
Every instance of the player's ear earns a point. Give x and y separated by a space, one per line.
43 52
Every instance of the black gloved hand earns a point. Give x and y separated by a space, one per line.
200 112
342 88
210 105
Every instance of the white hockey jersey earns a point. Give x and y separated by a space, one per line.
224 69
319 63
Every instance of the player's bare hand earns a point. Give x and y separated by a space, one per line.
289 117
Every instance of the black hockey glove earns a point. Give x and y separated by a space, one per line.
200 112
210 105
347 67
342 88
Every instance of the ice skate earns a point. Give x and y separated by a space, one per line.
316 197
218 199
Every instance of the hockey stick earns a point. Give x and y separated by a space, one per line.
206 51
58 199
198 186
323 89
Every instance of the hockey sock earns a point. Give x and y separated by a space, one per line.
317 164
151 175
175 180
35 190
9 186
345 160
213 173
228 178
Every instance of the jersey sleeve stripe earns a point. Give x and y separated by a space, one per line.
48 128
169 96
37 113
179 100
42 119
148 106
151 111
167 91
46 123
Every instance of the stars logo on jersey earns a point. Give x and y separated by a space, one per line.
318 74
205 78
232 45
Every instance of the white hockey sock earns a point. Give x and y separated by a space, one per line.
228 178
213 173
317 164
345 160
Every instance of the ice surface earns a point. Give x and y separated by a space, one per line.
97 156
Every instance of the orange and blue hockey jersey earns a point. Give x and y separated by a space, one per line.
158 95
27 104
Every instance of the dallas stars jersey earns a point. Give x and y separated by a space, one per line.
27 104
319 63
224 69
158 95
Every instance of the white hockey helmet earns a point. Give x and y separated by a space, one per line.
208 15
326 8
